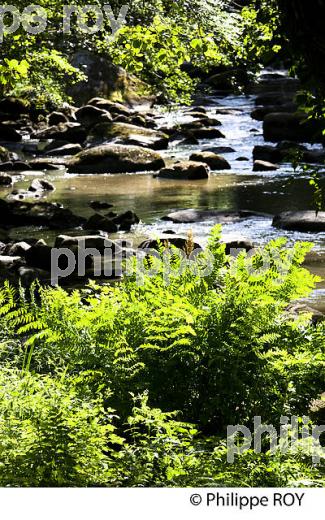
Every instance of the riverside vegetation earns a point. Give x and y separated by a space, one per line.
134 385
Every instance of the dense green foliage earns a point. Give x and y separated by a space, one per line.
135 384
158 37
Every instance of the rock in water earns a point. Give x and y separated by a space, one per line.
124 133
300 221
89 115
264 166
295 127
46 214
112 158
188 216
214 161
185 170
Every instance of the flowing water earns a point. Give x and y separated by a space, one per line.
238 188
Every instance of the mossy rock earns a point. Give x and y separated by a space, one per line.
128 134
116 159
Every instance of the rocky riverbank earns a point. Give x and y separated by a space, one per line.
190 149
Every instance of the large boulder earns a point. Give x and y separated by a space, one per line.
98 242
104 79
260 113
123 133
40 256
300 221
214 161
116 109
286 150
45 214
89 116
55 118
99 222
185 170
71 132
294 127
113 158
188 216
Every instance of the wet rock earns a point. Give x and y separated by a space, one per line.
313 156
199 123
274 98
99 222
242 159
40 255
295 127
137 120
16 249
236 244
100 243
264 166
41 185
260 113
223 81
300 221
14 166
122 133
228 111
196 110
90 115
66 149
207 133
197 115
188 216
121 119
100 205
116 159
166 240
9 262
8 133
221 149
47 146
126 220
189 141
5 180
48 164
185 170
46 214
276 83
214 161
110 106
55 118
71 132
